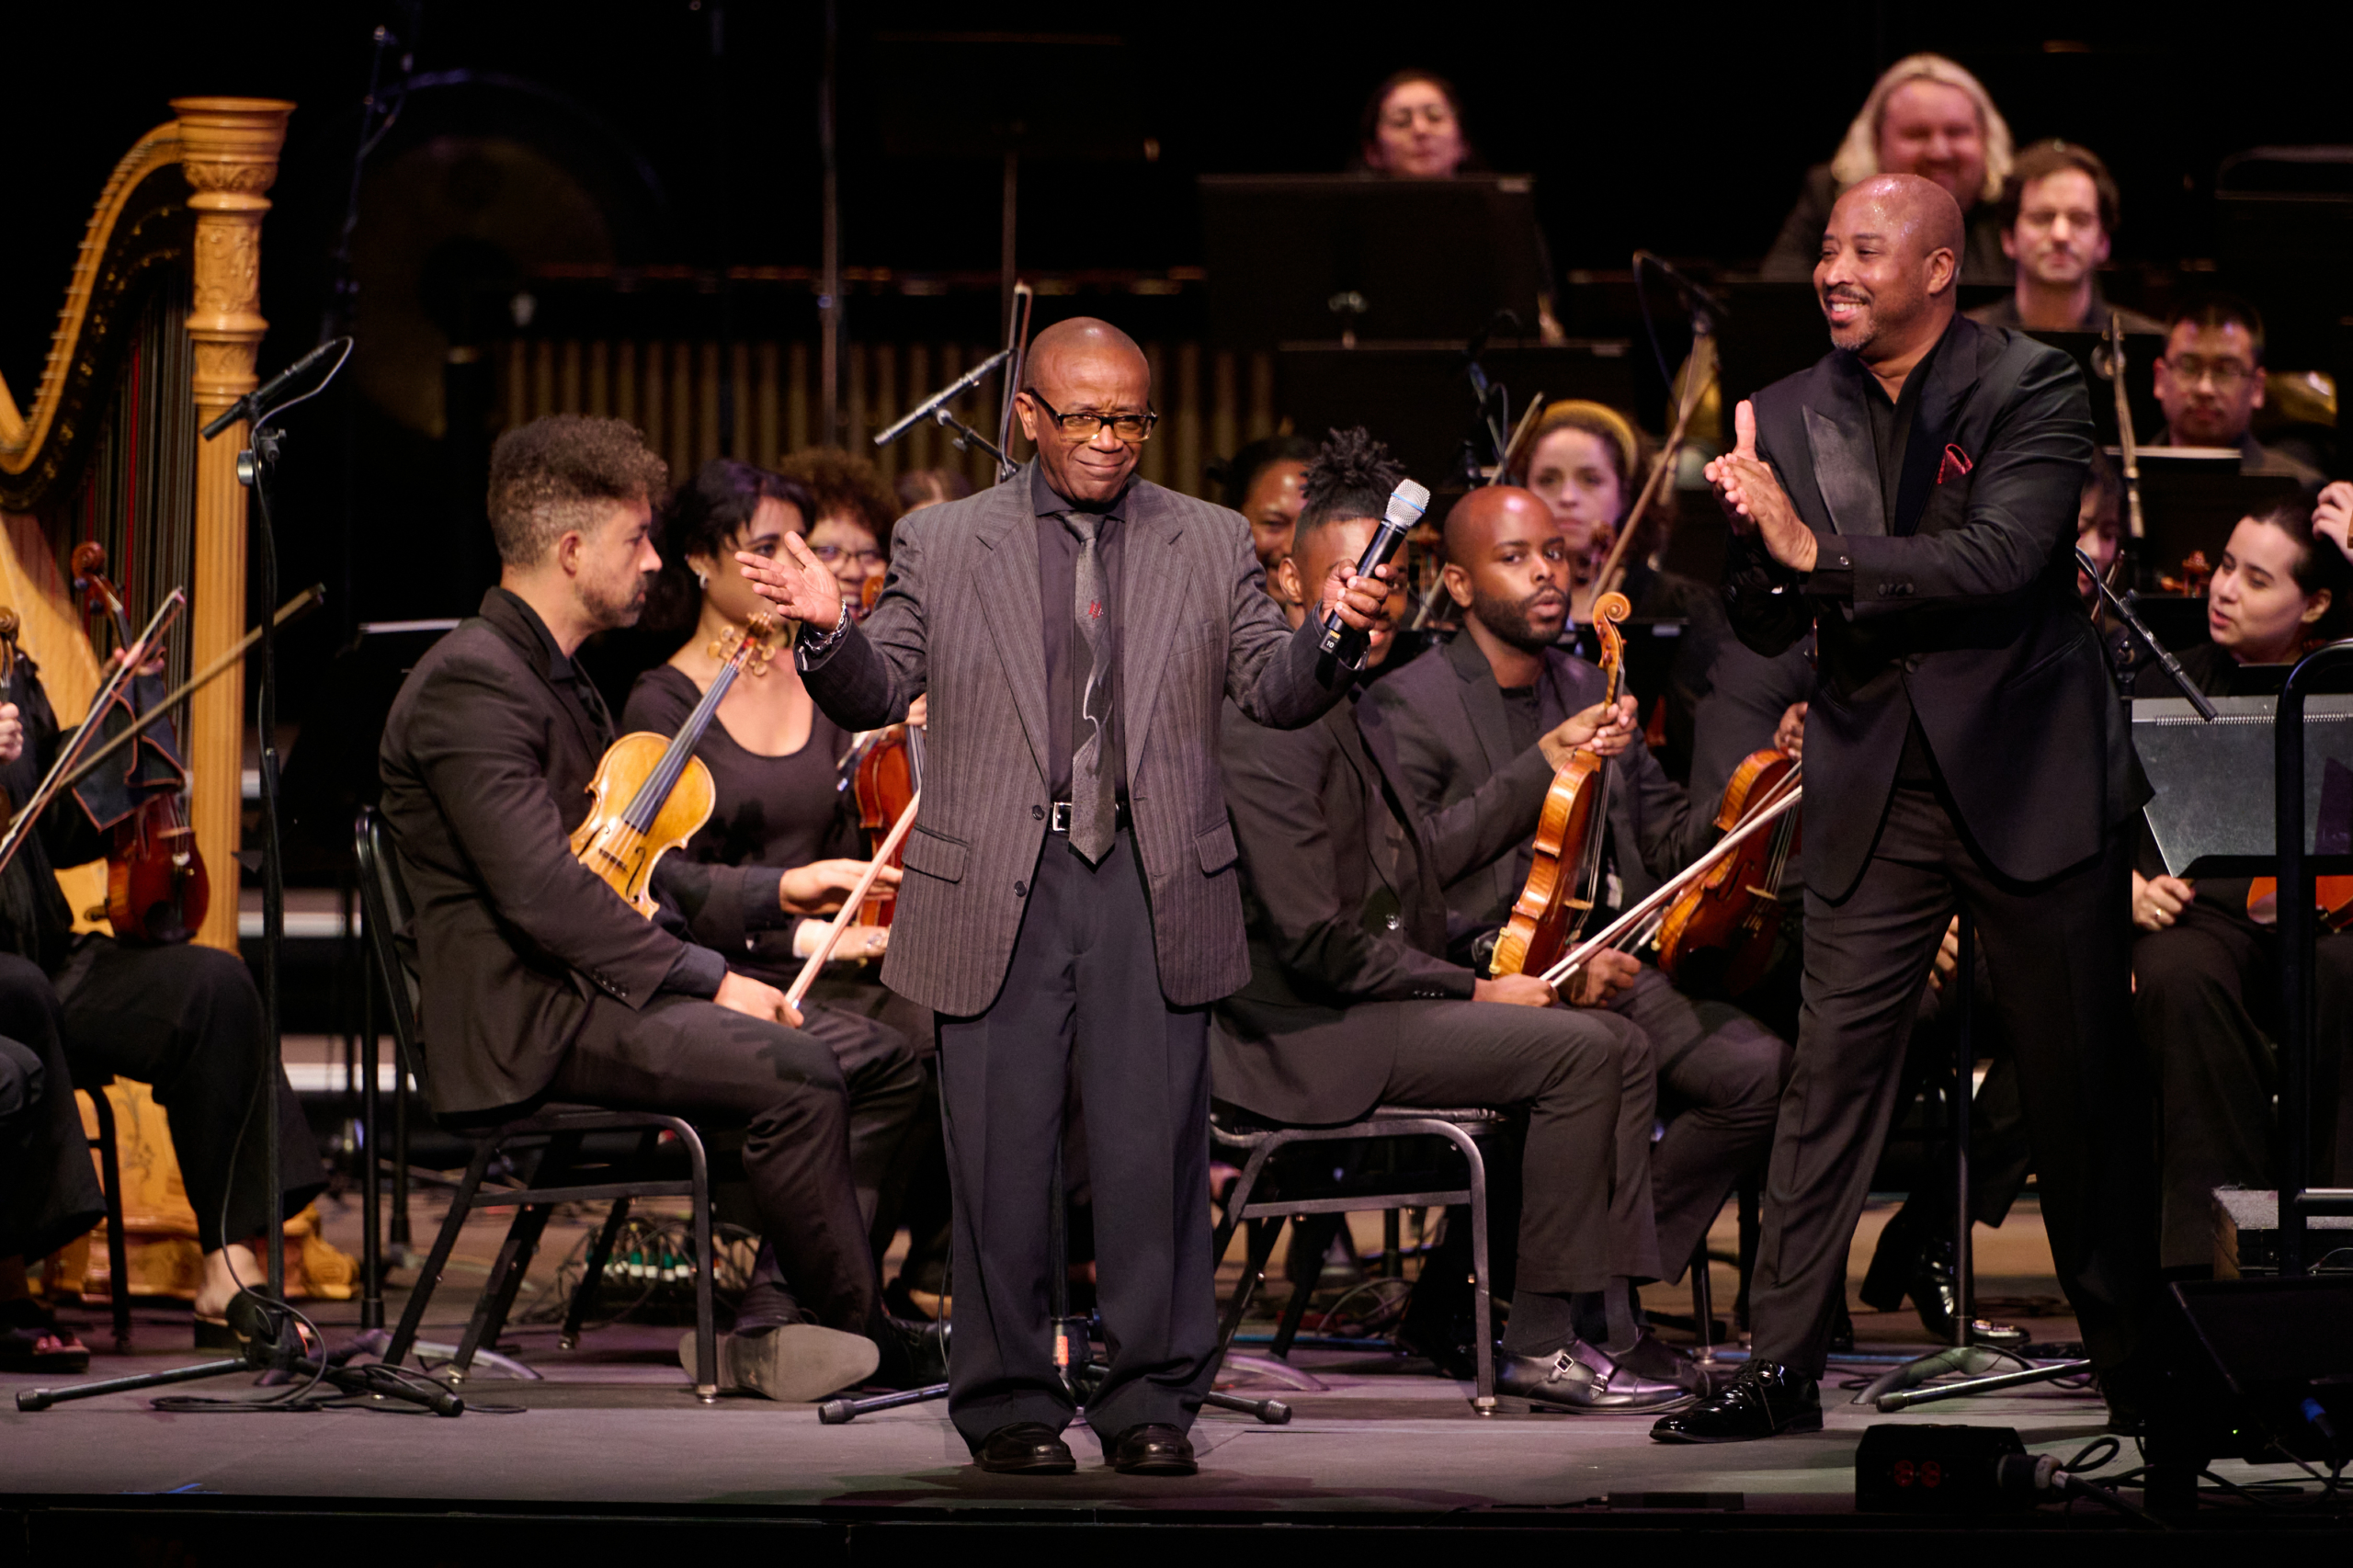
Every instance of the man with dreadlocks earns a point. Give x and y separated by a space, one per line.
1351 1004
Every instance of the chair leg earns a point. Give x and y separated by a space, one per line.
514 1258
1703 1302
461 1206
1393 1245
1315 1236
118 1244
1483 1317
1263 1233
592 1273
706 1271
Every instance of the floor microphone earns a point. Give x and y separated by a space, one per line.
1406 504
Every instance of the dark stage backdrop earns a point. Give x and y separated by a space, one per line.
691 128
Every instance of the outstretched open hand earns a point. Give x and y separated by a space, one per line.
1754 500
797 583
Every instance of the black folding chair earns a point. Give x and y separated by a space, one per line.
564 1174
1258 1140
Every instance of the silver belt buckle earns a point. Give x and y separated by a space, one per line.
1059 820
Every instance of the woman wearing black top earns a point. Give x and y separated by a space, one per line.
778 800
2205 957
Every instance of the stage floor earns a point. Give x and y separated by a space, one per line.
612 1425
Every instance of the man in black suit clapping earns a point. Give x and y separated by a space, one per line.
1913 498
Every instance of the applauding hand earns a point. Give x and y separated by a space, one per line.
1754 500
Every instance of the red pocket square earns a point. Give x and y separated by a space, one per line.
1955 465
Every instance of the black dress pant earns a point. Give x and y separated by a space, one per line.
1080 1000
2206 999
724 1070
1585 1081
187 1021
1720 1077
2057 953
49 1193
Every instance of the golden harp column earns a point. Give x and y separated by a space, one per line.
229 150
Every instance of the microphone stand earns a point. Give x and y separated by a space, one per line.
2148 640
935 407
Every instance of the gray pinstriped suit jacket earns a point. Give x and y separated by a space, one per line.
959 619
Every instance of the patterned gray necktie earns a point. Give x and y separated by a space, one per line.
1092 807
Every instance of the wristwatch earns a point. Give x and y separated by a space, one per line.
811 649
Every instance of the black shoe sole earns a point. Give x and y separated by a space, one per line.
1799 1424
1158 1467
1048 1467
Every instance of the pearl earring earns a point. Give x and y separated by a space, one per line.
701 580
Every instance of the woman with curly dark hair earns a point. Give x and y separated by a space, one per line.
849 526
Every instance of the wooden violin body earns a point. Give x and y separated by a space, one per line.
158 889
617 849
1551 908
890 771
651 793
1735 909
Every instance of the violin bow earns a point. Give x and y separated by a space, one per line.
1574 959
848 913
301 603
64 772
1613 564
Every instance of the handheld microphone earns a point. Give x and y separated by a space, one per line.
265 398
1406 504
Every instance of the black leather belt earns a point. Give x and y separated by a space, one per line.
1058 818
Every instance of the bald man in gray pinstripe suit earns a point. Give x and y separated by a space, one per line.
1071 905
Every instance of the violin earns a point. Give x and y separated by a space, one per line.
666 789
1735 909
158 889
1552 910
888 774
2197 572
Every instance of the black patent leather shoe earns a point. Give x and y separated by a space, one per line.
1153 1448
1025 1448
1582 1377
1767 1400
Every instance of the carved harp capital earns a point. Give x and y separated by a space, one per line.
229 150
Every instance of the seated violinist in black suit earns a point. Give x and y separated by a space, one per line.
1349 1003
1461 714
539 983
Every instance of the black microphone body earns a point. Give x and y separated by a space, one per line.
1406 504
264 397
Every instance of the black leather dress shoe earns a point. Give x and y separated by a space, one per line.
1655 1358
1025 1448
1153 1448
913 1355
1767 1400
1582 1377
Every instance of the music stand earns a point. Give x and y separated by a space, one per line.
1416 396
1314 257
2192 496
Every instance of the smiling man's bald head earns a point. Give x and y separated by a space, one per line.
1920 210
1082 338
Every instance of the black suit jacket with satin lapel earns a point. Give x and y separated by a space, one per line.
1969 618
1341 891
1453 739
959 619
518 949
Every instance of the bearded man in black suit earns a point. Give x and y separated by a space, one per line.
1913 498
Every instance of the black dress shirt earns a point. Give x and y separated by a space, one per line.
1890 436
1065 654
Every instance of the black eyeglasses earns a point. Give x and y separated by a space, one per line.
1129 427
